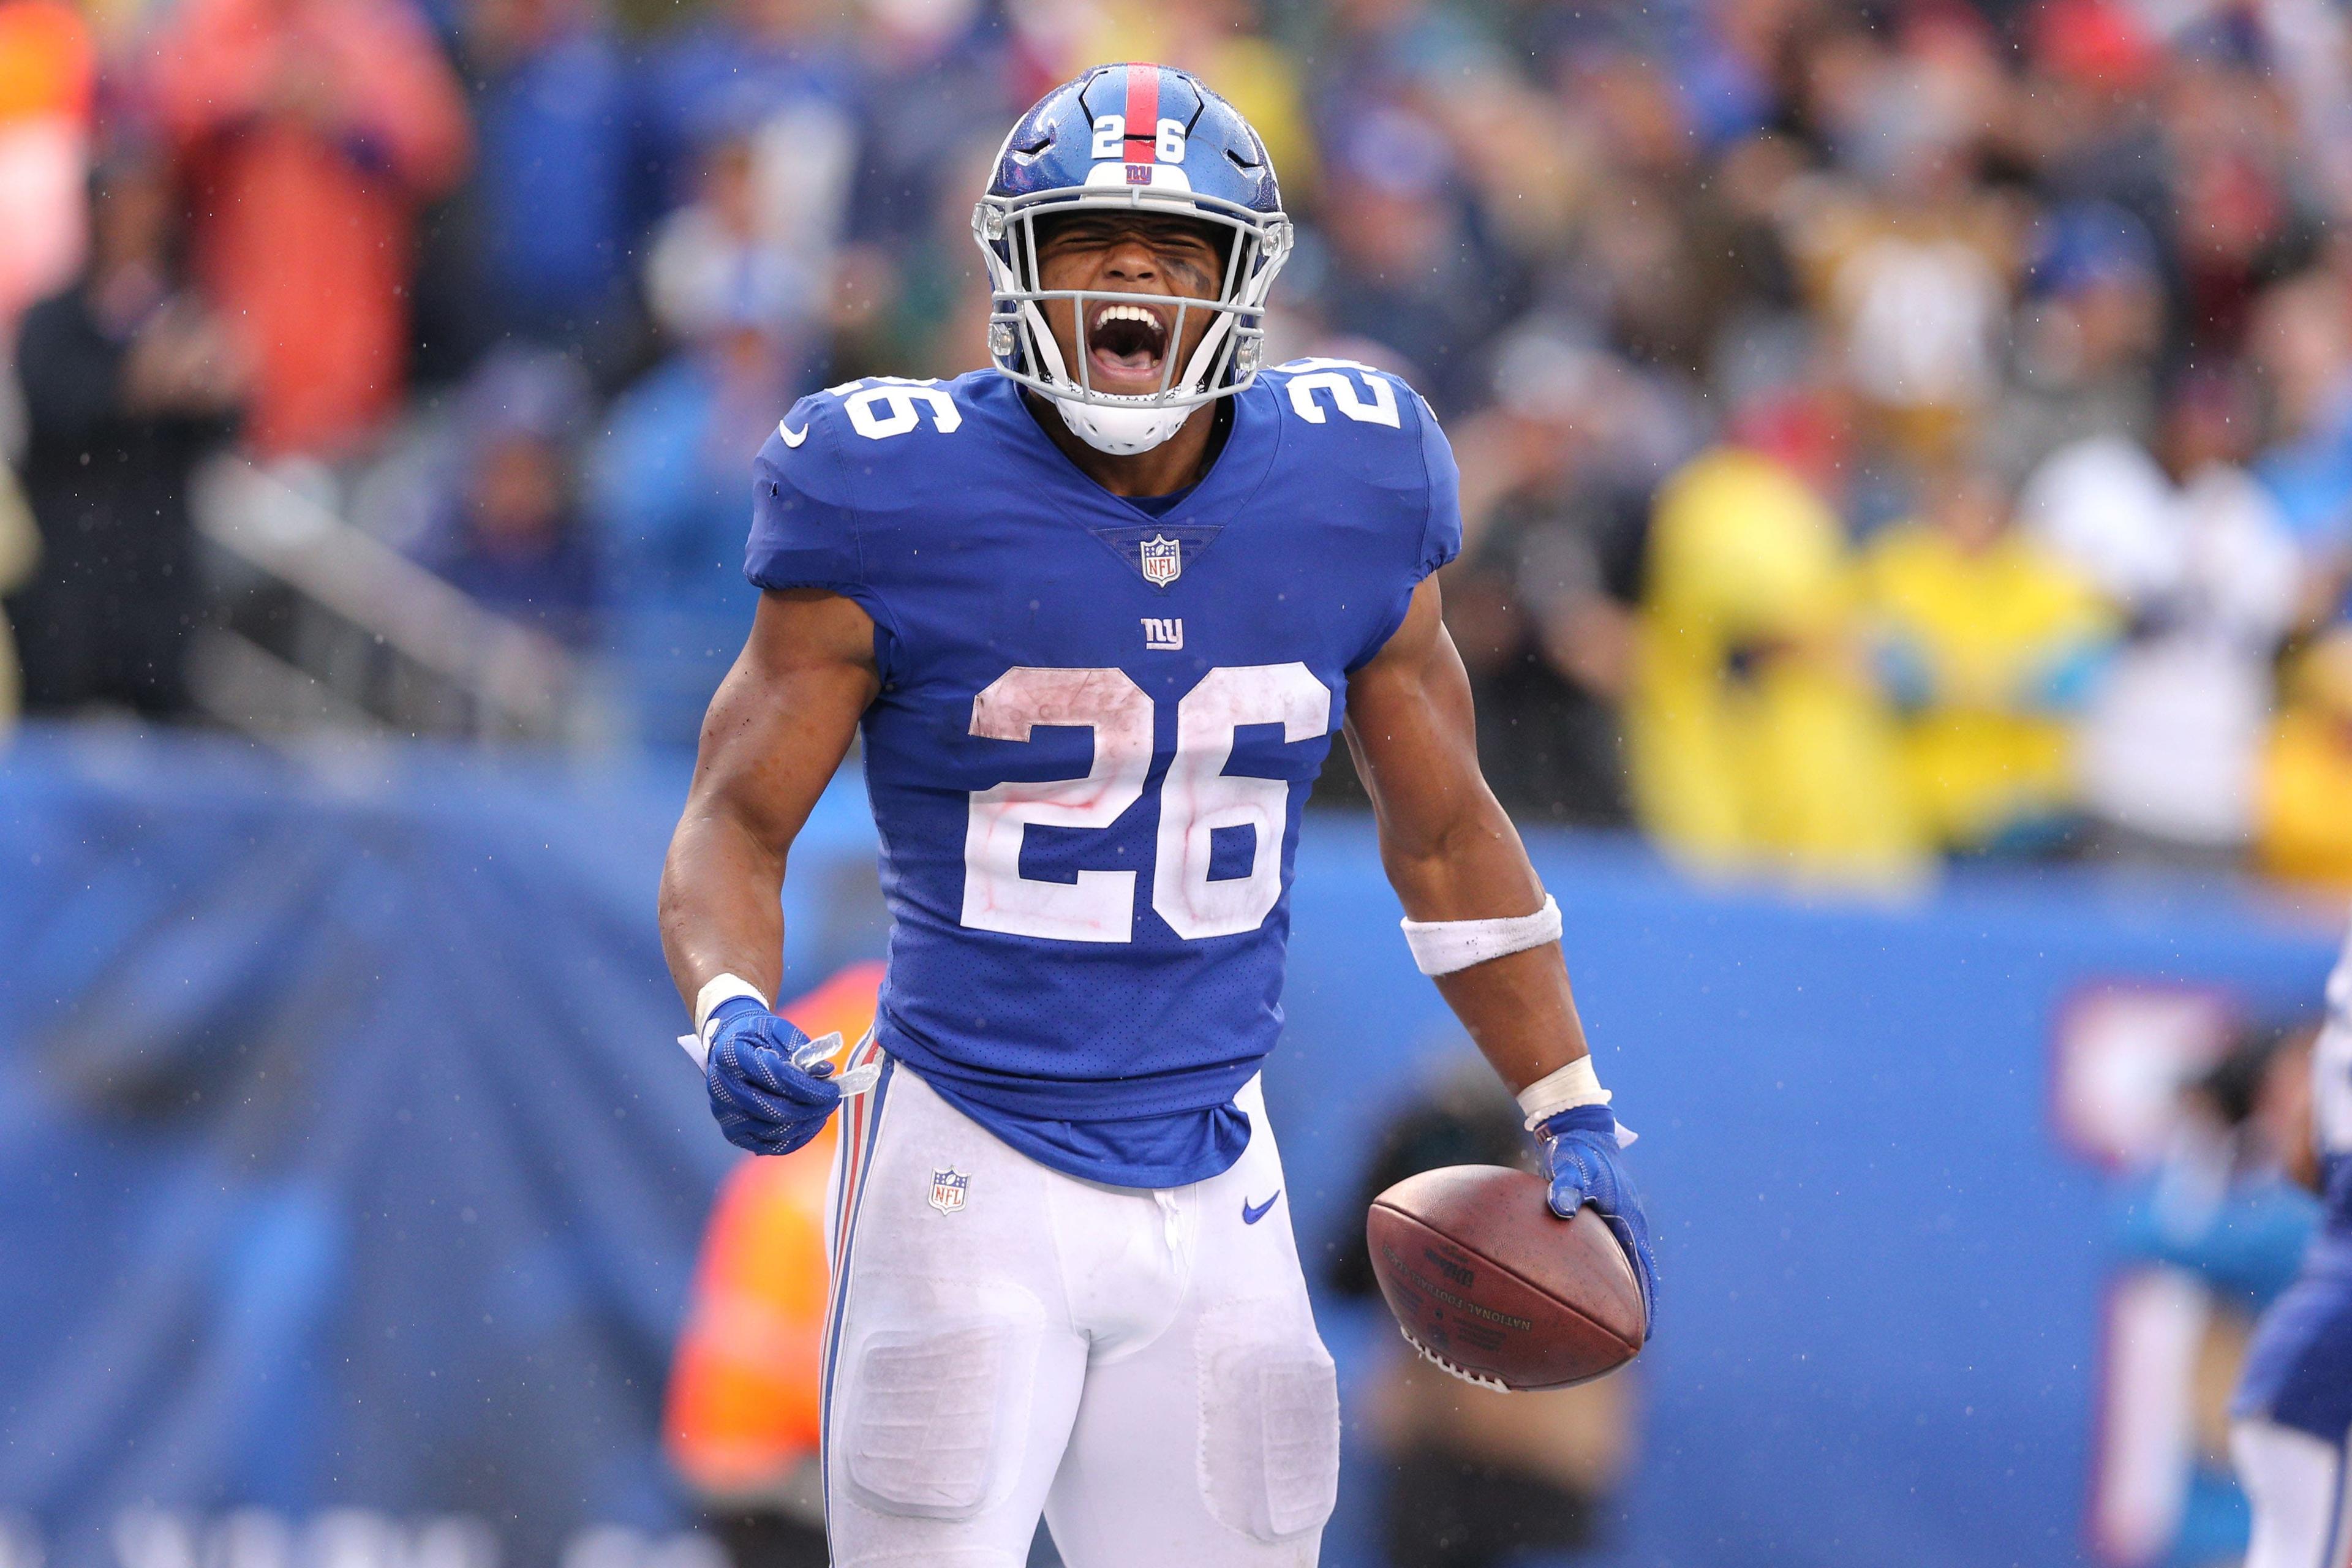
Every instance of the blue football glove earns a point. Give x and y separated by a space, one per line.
769 1085
1582 1157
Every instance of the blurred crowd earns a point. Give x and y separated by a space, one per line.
1889 432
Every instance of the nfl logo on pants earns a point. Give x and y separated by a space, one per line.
1163 560
948 1188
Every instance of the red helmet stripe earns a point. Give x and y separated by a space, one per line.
1142 114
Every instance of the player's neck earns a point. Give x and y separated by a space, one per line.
1169 466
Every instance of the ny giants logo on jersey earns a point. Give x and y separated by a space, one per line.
1163 560
947 1190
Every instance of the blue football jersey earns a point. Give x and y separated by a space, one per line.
1097 727
2298 1370
2331 1096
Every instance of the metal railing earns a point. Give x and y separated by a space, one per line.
327 627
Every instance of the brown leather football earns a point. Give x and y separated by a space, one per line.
1488 1283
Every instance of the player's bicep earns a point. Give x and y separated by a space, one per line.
1412 729
783 718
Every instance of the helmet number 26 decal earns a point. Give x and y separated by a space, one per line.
1111 138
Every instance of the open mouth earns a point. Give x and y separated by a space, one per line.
1126 347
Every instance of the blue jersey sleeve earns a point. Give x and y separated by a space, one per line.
1434 516
1440 539
799 539
802 536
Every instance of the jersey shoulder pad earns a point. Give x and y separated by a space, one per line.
1375 429
844 466
1345 394
850 446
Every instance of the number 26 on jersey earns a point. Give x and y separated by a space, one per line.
1196 799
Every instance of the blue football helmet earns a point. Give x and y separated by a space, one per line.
1130 137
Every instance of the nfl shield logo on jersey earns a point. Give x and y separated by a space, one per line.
948 1188
1163 560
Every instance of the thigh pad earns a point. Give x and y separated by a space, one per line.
1269 1454
935 1414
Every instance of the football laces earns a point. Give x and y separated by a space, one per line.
1442 1365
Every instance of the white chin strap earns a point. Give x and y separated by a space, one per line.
1118 428
1121 432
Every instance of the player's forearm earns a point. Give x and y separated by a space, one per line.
778 728
1520 1011
1518 1008
720 913
1457 858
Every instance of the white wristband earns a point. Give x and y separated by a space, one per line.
1573 1085
1441 947
725 988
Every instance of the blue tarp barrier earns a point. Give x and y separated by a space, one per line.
345 1158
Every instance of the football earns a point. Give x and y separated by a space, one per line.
1488 1283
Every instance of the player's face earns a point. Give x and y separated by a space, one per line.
1128 347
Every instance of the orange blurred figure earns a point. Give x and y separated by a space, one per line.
48 73
313 132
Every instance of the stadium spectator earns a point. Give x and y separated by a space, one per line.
1968 232
2198 558
508 529
1543 605
48 79
2086 339
1988 643
931 92
313 130
541 233
2306 783
1222 41
667 484
1755 740
1530 170
1404 271
2237 217
781 77
2301 340
1392 51
20 551
919 305
130 378
1644 252
1910 260
714 261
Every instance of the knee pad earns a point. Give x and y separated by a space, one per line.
1269 1455
934 1416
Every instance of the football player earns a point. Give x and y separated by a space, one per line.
1096 613
2291 1435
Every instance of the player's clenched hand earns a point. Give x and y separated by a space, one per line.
1583 1157
769 1090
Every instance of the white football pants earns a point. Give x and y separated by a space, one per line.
1139 1366
2302 1516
